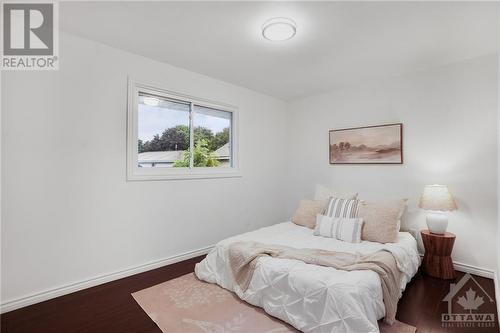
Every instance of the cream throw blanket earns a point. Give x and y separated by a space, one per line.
243 261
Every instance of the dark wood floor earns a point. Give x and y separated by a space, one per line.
110 308
422 304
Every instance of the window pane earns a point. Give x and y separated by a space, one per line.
163 132
212 137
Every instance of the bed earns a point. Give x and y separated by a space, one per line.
309 297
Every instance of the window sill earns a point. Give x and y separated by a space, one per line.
197 174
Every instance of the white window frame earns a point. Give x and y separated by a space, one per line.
134 173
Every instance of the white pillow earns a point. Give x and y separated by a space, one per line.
401 213
324 193
345 229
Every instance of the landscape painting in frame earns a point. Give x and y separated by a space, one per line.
382 144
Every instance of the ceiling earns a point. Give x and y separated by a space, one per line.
337 43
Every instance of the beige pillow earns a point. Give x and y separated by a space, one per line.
381 220
305 215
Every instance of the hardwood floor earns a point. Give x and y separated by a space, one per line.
422 304
109 308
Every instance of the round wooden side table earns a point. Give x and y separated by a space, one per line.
437 258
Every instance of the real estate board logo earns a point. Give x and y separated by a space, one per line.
30 36
469 305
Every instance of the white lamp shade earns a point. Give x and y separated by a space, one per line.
438 198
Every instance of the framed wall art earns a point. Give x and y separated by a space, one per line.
381 144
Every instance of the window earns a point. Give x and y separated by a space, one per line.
162 131
174 136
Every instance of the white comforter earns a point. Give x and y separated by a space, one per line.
312 298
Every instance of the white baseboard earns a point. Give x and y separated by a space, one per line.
70 288
497 291
487 273
479 271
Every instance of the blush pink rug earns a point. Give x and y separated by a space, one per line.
188 305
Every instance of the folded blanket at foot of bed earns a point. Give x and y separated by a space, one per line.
243 258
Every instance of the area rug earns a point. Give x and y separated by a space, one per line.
188 305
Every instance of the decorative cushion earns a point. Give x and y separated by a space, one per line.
324 193
340 207
381 220
345 229
305 215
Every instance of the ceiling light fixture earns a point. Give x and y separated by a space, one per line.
279 29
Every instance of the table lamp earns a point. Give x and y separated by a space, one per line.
437 199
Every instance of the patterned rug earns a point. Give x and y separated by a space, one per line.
188 305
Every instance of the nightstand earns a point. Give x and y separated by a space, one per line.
437 258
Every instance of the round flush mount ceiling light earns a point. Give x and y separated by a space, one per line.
279 29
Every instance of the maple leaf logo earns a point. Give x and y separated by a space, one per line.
470 301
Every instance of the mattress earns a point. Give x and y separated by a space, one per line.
309 297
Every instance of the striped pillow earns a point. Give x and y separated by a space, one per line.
344 229
340 207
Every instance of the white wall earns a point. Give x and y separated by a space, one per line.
450 137
68 212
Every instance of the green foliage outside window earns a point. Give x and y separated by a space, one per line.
177 138
202 156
